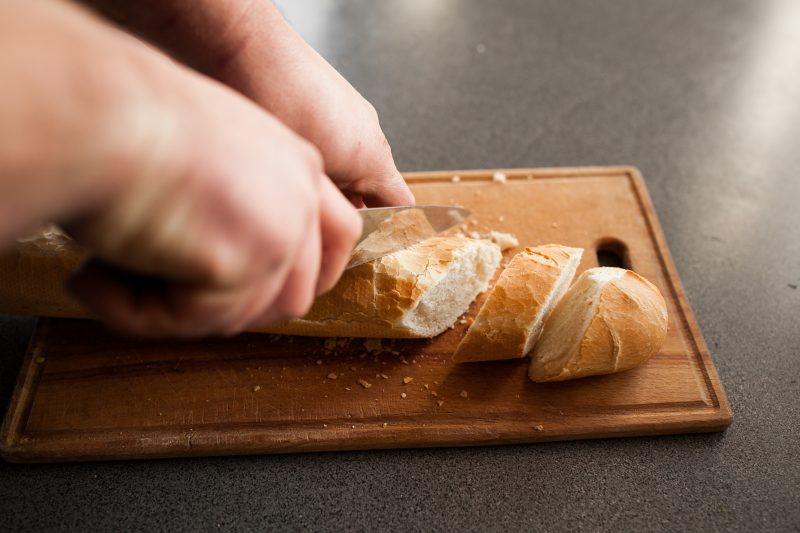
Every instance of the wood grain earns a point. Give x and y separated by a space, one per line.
85 393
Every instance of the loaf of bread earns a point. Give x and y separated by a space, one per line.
610 320
33 276
416 292
510 321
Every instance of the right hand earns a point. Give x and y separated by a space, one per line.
226 207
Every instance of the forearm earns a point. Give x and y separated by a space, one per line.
77 100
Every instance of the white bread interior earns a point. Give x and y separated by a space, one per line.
510 321
610 320
413 293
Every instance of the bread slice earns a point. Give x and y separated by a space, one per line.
610 320
416 292
510 321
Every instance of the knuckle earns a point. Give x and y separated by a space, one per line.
371 111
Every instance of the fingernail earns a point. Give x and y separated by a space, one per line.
411 199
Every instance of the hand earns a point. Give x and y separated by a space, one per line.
224 207
238 217
249 46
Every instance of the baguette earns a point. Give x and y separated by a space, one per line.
34 273
413 293
416 292
510 321
610 320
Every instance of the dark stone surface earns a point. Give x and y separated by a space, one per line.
704 97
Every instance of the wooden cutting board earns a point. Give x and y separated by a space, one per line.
87 394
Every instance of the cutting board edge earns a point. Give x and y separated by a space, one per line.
189 443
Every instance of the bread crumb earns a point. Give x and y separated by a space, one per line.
347 388
319 361
332 375
554 224
353 426
407 380
464 394
384 425
384 376
462 321
440 403
501 218
538 427
257 388
324 425
455 179
373 345
434 393
499 177
505 241
364 383
425 385
403 395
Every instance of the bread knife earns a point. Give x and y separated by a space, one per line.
390 229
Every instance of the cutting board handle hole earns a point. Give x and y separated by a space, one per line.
613 253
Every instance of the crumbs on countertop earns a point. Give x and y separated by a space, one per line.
499 177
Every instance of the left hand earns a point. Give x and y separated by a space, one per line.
250 46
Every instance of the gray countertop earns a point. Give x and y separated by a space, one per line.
704 97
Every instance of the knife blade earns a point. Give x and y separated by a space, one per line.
389 229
